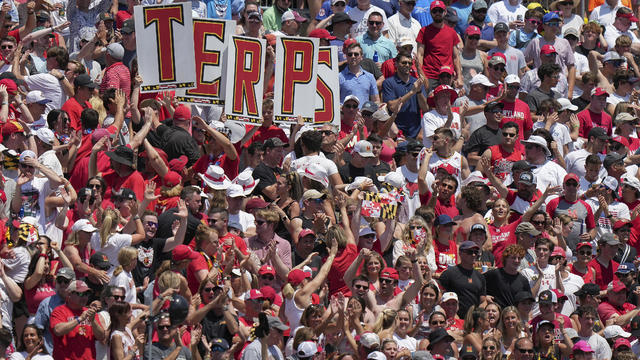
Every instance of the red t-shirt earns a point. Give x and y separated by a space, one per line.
519 113
607 309
80 172
501 238
229 166
341 263
604 275
194 266
441 208
501 160
438 48
114 182
589 119
263 134
38 293
587 277
345 130
74 109
79 343
389 68
446 255
240 243
85 147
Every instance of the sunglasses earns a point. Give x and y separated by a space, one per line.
267 277
538 222
151 224
208 289
530 146
499 68
513 86
351 106
616 63
260 222
585 253
62 280
509 135
118 297
164 327
526 351
326 132
6 47
83 294
437 11
375 23
491 347
387 281
94 186
571 183
474 37
553 23
415 154
350 54
534 21
360 287
366 114
415 227
410 3
434 323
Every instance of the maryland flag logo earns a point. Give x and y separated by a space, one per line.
379 205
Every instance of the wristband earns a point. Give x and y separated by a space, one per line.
43 255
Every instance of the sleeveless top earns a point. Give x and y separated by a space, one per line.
386 154
293 312
471 63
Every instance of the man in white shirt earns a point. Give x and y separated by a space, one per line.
548 172
507 11
360 15
587 317
605 13
402 25
620 26
441 115
575 160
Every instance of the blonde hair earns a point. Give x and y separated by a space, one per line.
168 280
337 233
406 233
110 219
217 199
202 234
125 256
508 309
385 320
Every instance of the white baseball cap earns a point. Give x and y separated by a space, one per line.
393 178
363 148
512 79
36 96
481 79
566 104
46 135
83 225
448 296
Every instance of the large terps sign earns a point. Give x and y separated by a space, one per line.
210 37
295 79
327 87
245 79
164 41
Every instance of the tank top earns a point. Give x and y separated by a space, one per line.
452 165
386 153
471 63
502 161
293 312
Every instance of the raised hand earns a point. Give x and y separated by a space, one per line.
183 212
150 192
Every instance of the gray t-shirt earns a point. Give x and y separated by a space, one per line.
475 121
160 352
515 59
535 97
253 351
579 211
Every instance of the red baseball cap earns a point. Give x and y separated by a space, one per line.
183 252
473 30
296 276
622 140
558 251
621 223
629 16
255 294
548 49
11 127
446 69
268 293
321 34
12 88
182 112
621 341
583 244
267 269
348 43
389 273
571 176
559 294
171 179
616 286
599 92
178 164
305 232
438 4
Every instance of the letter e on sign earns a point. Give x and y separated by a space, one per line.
207 56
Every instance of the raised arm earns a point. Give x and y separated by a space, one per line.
219 138
352 270
486 166
303 296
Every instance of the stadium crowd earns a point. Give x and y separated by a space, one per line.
478 199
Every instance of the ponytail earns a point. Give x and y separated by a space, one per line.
109 220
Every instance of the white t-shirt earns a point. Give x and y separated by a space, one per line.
575 161
17 267
605 14
616 209
125 280
502 11
401 27
329 166
50 160
548 281
361 19
114 243
245 220
433 120
50 87
409 343
599 345
611 34
615 99
6 306
34 194
23 355
571 284
549 174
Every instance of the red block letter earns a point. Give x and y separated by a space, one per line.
248 71
201 30
163 18
298 68
325 113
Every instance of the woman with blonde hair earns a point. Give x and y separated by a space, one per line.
122 277
490 349
414 234
368 263
625 126
510 328
109 242
78 251
475 324
385 323
402 325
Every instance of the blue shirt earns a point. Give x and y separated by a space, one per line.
362 86
325 10
422 13
487 31
385 48
224 6
390 7
339 44
408 119
463 16
42 318
524 38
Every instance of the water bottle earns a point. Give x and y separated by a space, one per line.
375 57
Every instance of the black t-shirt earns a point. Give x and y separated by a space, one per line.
267 177
582 50
482 139
504 287
468 284
625 254
350 172
165 223
379 170
580 103
315 265
214 326
537 96
150 256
